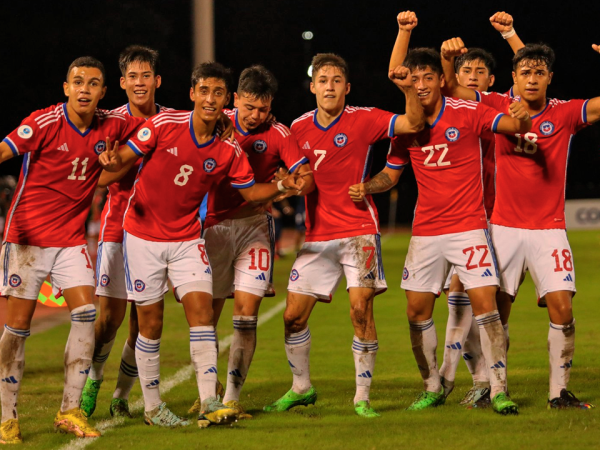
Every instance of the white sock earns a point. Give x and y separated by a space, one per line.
101 353
493 345
424 345
364 352
147 355
128 373
459 322
474 358
203 349
297 349
78 355
561 348
12 363
240 355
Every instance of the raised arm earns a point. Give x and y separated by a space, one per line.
450 50
593 105
503 23
407 21
414 119
383 181
6 152
518 122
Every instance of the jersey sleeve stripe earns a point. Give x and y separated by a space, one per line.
394 166
496 121
584 111
135 149
392 125
298 164
478 96
12 146
243 185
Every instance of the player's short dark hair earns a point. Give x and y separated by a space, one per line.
321 60
258 82
536 53
139 54
213 70
88 61
476 54
422 57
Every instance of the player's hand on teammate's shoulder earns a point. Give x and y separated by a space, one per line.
452 48
517 111
225 127
407 20
596 47
502 22
271 119
357 192
109 159
400 76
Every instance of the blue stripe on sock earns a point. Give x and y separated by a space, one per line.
22 333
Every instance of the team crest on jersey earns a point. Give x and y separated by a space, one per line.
14 280
209 165
144 134
104 280
452 134
405 274
259 146
139 285
340 140
295 275
547 128
99 147
25 131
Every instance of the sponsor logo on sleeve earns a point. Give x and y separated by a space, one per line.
452 134
259 146
340 140
144 134
25 131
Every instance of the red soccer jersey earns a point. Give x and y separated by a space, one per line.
531 170
340 156
176 174
447 161
266 147
111 226
59 175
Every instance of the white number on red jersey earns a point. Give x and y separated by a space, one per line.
75 163
530 143
184 175
432 149
320 154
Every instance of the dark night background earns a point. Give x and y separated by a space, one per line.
40 39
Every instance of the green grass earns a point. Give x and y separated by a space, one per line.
332 423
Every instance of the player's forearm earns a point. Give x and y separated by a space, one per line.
450 82
5 152
108 178
400 49
383 181
515 43
415 116
309 181
260 192
593 110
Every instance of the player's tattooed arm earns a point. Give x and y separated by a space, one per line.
5 152
383 181
450 50
593 105
518 122
414 119
504 24
407 21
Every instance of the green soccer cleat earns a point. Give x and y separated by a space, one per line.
427 399
89 395
567 400
119 407
214 412
291 399
363 409
502 404
164 417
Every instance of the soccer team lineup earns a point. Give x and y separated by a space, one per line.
474 235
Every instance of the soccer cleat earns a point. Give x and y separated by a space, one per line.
363 409
89 396
427 399
447 385
164 417
119 407
10 432
197 406
479 390
291 399
216 413
481 399
75 422
242 414
567 400
502 404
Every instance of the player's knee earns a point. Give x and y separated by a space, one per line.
19 322
293 322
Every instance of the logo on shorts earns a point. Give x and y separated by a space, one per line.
25 131
14 280
209 165
259 146
340 140
547 128
405 274
139 285
295 275
104 280
144 134
452 134
99 147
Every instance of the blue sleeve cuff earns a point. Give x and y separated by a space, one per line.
584 111
478 96
12 146
495 123
135 149
298 164
394 166
243 185
392 126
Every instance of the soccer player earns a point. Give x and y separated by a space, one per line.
239 236
140 79
528 231
450 226
60 172
183 159
342 237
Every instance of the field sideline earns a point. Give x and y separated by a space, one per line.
332 422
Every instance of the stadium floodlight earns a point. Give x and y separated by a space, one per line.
307 35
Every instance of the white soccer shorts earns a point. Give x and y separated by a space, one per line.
429 260
25 268
545 253
149 265
319 266
110 269
241 254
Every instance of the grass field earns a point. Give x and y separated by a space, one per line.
332 422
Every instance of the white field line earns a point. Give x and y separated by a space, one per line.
183 374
